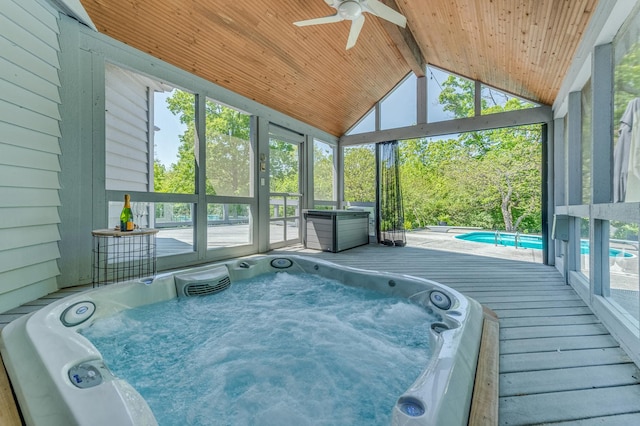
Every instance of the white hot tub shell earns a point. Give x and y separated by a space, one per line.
60 378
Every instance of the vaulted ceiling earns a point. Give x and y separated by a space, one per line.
251 47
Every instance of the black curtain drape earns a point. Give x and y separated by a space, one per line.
390 214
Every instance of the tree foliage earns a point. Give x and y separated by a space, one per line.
228 153
227 135
359 174
489 179
180 176
323 172
626 81
283 167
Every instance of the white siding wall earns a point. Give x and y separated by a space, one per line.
129 144
29 151
127 112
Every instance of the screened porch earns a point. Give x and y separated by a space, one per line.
223 142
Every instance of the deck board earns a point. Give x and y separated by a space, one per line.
570 405
619 420
543 312
499 292
548 320
596 376
550 344
526 298
496 306
484 402
552 331
533 361
9 415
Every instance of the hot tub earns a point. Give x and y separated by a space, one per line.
60 378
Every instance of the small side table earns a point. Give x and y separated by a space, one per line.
121 256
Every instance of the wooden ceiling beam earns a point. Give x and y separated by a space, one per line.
405 42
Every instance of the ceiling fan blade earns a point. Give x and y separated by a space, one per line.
316 21
385 12
354 32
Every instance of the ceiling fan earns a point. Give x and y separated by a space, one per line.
352 10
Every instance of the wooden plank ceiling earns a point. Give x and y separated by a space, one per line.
252 48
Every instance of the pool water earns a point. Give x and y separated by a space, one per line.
277 349
525 241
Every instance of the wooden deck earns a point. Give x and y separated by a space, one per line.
558 364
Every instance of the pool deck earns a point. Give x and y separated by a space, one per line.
558 364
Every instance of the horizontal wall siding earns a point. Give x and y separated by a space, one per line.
127 148
30 149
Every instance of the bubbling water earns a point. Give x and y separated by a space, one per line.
278 349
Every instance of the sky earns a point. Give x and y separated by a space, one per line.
166 139
399 108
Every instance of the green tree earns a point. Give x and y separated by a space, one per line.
180 176
487 179
501 173
228 153
506 184
283 167
427 185
323 172
159 176
626 81
457 96
227 135
360 174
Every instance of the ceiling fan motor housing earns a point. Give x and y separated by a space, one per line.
350 10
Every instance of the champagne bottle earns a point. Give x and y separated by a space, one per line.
126 217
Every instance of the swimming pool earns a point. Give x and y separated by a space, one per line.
524 241
61 378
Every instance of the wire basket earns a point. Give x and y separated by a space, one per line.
122 256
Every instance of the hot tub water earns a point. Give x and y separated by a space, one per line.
275 349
